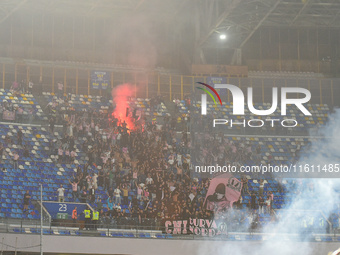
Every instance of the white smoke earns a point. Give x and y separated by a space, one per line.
308 203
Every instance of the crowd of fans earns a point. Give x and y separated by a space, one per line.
16 112
143 173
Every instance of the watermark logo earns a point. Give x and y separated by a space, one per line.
238 99
204 97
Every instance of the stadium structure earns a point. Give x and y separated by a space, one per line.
123 130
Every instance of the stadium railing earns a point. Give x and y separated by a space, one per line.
135 231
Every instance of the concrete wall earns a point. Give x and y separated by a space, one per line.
102 245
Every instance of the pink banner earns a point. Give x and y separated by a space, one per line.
223 191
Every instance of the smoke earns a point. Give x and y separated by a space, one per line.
136 37
121 96
312 200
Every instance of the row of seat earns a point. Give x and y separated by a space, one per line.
84 102
37 168
25 101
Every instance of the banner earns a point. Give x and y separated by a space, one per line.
100 79
55 208
223 191
8 115
203 227
216 80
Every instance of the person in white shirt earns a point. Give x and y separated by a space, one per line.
96 128
171 162
30 87
179 159
188 159
61 191
118 198
148 180
118 207
95 180
89 181
119 136
70 130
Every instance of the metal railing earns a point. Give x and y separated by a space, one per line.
138 231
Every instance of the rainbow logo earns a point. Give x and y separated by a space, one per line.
209 93
204 97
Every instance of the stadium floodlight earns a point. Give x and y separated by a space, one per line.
223 36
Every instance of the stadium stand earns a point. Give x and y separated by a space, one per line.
123 196
97 103
25 105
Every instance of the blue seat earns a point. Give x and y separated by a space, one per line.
117 234
129 235
47 231
64 232
160 236
35 230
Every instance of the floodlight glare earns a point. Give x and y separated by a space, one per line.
223 36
